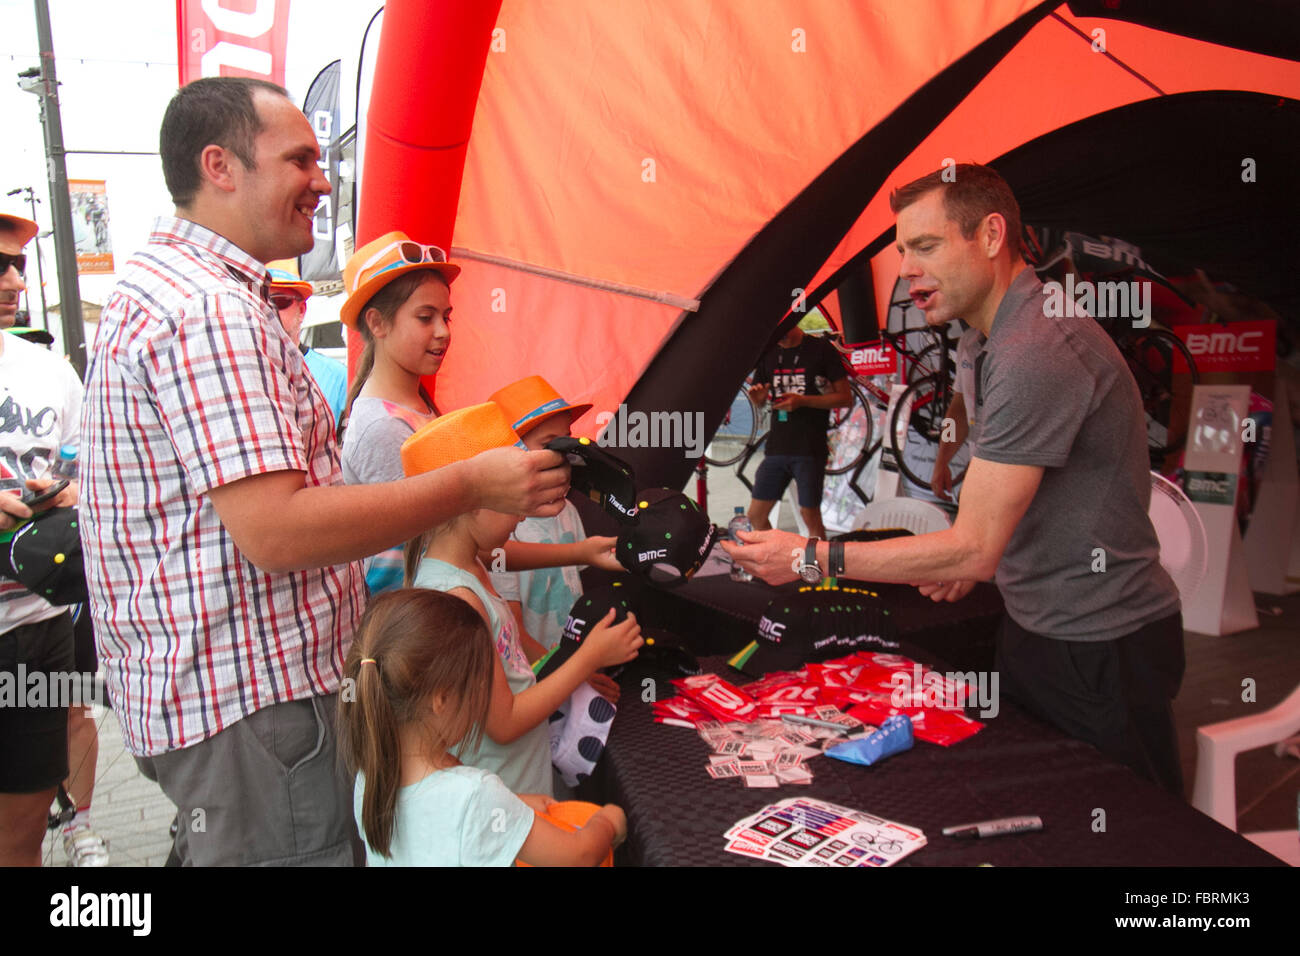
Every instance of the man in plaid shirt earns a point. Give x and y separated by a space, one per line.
221 544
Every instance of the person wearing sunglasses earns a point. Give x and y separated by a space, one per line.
399 302
223 548
289 295
13 265
41 396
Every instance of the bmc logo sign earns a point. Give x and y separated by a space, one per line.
1236 347
232 38
873 358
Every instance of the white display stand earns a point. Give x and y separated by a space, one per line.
1273 538
1224 603
888 477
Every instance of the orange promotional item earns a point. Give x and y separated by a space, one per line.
572 815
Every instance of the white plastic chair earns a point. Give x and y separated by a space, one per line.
1214 792
1183 543
918 517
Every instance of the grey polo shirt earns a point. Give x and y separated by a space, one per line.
1056 393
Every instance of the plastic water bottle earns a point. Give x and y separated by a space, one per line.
66 464
739 523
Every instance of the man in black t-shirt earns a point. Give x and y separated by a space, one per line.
805 379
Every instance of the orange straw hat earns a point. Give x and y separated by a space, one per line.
455 437
530 401
378 263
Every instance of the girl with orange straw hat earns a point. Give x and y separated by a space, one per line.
399 301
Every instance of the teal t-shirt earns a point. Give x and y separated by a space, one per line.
525 764
461 816
546 595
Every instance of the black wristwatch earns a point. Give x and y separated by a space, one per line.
810 571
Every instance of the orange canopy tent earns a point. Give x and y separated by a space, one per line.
648 188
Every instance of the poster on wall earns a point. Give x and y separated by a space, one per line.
89 199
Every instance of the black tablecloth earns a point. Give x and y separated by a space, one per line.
1095 812
717 615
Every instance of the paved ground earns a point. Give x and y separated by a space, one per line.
129 811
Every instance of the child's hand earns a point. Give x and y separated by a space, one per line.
599 553
609 644
605 686
618 819
537 802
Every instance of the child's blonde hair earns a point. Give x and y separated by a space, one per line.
414 645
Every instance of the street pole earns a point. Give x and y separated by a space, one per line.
65 256
40 264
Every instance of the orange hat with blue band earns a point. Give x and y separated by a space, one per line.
378 263
530 401
457 436
282 280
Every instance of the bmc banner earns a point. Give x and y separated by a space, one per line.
874 358
322 109
1231 347
232 38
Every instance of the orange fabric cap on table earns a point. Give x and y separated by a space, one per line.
455 437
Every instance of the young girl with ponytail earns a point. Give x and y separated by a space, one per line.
399 301
422 667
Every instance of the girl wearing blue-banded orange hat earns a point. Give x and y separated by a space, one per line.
399 301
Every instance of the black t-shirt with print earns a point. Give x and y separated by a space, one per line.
809 368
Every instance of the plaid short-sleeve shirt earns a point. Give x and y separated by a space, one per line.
193 384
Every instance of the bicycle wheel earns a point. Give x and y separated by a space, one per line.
925 426
739 429
851 433
1150 358
927 363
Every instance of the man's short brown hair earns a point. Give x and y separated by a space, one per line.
970 192
215 110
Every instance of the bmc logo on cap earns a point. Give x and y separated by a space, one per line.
651 555
573 627
771 629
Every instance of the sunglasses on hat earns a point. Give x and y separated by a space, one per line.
18 261
409 253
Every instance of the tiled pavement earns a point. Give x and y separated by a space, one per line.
128 810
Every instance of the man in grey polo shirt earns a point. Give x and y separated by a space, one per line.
1055 501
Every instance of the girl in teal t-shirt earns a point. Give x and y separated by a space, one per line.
421 669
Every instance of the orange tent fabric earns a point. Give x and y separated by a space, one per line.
623 156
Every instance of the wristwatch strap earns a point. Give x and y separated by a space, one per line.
836 559
810 556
